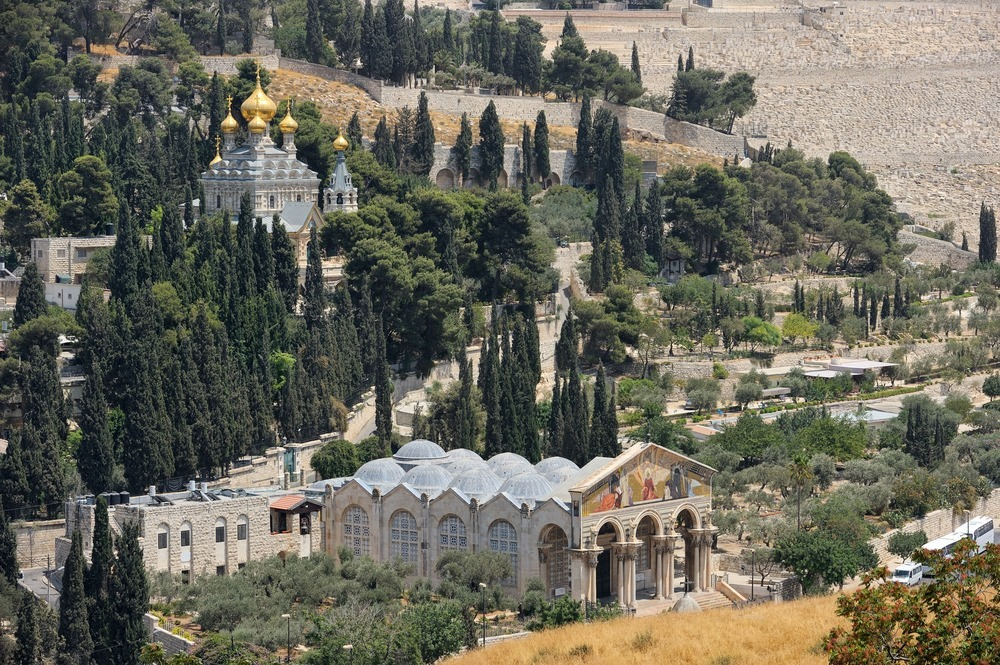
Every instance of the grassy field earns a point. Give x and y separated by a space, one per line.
783 634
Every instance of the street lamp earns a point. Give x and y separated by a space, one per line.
482 589
288 638
349 650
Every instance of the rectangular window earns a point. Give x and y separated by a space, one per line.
220 534
81 253
61 253
161 541
241 532
185 538
40 253
220 570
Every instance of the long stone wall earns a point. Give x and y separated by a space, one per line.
36 542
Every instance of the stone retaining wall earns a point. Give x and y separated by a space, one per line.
172 644
36 542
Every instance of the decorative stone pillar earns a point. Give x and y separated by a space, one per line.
694 566
631 556
619 552
592 558
707 534
543 569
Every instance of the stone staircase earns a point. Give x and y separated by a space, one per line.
711 600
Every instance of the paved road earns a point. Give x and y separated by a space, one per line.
35 581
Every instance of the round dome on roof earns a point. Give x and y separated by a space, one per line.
552 463
560 475
382 472
501 459
427 477
455 453
477 482
512 468
460 464
529 485
420 449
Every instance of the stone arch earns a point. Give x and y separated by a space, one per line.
687 514
616 526
654 517
552 179
445 179
404 538
553 544
474 179
502 538
502 179
576 179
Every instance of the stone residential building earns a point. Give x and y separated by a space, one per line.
66 258
201 532
611 530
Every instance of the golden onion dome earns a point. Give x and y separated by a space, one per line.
259 104
341 144
218 157
288 124
257 125
229 125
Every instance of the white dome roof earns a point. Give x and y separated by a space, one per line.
512 468
460 453
552 463
380 473
477 483
500 459
427 477
560 475
460 464
527 486
420 449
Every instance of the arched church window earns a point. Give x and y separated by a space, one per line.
403 537
340 199
299 198
357 533
503 539
451 533
270 201
218 201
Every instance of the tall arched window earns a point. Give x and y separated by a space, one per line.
451 533
218 201
403 537
357 533
555 543
503 539
340 199
271 201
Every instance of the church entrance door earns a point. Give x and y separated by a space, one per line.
604 574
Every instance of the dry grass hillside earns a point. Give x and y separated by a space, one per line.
784 634
339 100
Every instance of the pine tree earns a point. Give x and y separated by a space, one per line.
383 393
29 642
463 148
74 629
9 568
354 133
31 296
569 28
987 234
635 64
491 145
129 595
585 137
422 149
96 455
541 145
286 269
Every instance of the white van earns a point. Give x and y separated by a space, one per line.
908 573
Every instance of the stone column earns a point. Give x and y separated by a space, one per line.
694 567
543 569
670 544
620 555
707 534
631 557
592 559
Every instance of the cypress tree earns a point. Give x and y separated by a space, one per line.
29 643
30 297
653 225
422 148
633 248
576 428
188 208
566 353
689 65
489 386
897 298
9 568
354 133
526 384
541 145
680 62
526 155
220 28
14 490
96 460
463 148
171 237
465 418
965 242
491 143
263 258
987 234
885 306
129 595
585 137
554 432
315 43
124 272
368 39
44 429
286 269
383 149
73 626
313 296
383 393
614 448
598 431
857 300
447 38
635 64
569 28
